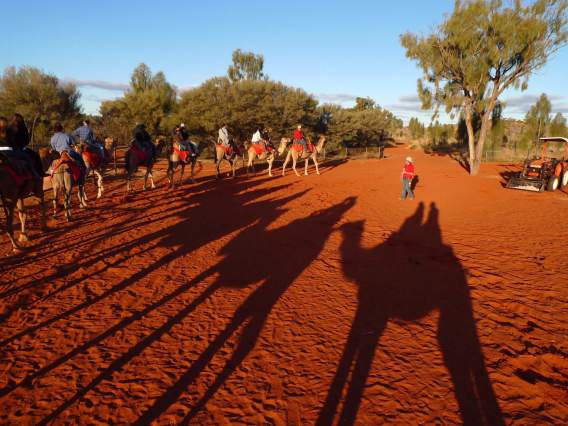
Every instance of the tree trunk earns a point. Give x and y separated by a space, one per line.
470 138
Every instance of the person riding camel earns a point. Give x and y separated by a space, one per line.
143 141
17 160
181 139
62 142
223 138
299 138
85 134
13 145
257 137
265 134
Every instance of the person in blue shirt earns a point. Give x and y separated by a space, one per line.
86 135
61 142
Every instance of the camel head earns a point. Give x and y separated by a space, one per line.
283 144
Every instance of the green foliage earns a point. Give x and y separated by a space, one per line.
440 135
41 98
362 104
244 106
150 100
246 66
481 49
360 127
537 120
417 129
558 126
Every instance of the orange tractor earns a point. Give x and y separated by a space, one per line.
544 171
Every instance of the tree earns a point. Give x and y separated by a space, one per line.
41 98
479 51
362 104
246 66
416 128
558 126
537 120
244 106
150 100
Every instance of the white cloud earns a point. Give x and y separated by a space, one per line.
335 97
99 84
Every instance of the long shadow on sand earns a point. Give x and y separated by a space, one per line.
295 246
406 277
282 242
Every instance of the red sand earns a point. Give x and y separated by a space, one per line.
288 300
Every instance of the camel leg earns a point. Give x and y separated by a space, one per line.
181 173
314 159
285 163
152 184
234 167
9 212
55 193
22 214
99 183
270 160
306 163
294 161
146 180
193 171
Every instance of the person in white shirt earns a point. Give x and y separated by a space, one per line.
223 136
257 137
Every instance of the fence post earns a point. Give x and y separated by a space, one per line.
366 153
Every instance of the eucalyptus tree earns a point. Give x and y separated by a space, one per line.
482 49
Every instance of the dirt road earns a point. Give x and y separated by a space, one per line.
319 299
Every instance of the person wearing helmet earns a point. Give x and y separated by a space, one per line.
407 176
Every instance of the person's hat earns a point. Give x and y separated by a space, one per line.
409 159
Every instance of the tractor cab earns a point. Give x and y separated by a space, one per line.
546 166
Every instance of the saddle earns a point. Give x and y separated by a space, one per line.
20 177
298 147
93 157
141 155
76 170
20 170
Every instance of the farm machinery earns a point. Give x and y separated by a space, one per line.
544 171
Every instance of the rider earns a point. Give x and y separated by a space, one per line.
223 136
265 134
86 135
62 142
299 137
143 140
182 135
17 140
256 137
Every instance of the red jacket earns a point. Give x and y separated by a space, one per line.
298 135
408 170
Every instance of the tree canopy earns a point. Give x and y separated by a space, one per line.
246 66
480 50
41 98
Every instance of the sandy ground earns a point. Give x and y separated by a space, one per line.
320 299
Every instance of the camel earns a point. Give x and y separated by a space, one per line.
110 144
229 154
265 155
175 157
135 158
304 155
95 163
63 177
13 190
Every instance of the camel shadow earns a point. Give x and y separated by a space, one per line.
404 278
253 313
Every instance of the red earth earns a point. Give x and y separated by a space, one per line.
320 299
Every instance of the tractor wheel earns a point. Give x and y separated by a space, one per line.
564 180
553 183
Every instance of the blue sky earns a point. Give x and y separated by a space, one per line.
333 49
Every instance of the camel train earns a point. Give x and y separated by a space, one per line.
65 175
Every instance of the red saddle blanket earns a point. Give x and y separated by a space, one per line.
183 155
142 156
93 158
76 171
300 148
20 179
